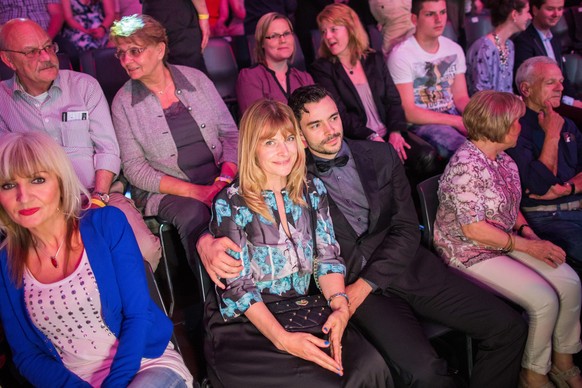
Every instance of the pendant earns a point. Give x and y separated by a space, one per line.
54 262
351 72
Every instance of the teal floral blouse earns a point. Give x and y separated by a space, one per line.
273 263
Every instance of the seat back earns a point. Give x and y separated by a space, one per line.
298 58
449 32
562 33
155 294
429 203
573 70
106 69
240 48
477 26
315 42
375 37
223 71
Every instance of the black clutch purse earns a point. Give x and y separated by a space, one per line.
305 314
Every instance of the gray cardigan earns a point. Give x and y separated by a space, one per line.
148 150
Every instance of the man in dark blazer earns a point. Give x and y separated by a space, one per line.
391 279
537 40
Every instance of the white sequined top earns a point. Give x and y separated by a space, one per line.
68 312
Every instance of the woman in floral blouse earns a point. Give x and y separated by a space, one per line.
267 213
480 230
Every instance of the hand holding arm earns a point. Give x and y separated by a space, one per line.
57 18
358 291
421 116
216 261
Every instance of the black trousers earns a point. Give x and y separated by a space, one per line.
390 320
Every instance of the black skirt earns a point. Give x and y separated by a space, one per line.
238 355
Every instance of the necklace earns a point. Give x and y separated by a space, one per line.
350 70
52 258
503 52
163 91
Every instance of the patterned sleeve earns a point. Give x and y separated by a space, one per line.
229 220
329 260
462 188
480 66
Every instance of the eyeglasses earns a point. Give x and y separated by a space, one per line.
51 48
279 36
133 52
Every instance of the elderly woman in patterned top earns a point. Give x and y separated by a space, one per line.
480 230
268 213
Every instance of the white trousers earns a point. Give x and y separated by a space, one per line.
550 296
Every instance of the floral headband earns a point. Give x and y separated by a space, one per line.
127 25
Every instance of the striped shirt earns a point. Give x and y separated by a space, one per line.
75 113
35 10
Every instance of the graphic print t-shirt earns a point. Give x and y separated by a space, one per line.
431 75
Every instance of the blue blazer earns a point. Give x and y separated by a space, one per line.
132 316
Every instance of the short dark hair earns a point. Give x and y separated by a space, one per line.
306 95
536 3
501 9
417 5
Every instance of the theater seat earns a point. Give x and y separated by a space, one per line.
477 26
103 66
223 71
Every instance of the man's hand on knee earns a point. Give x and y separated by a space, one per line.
216 261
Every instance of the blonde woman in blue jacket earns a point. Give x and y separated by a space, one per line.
74 301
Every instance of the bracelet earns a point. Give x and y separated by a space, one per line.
97 202
520 230
509 245
223 178
342 294
203 16
373 136
573 188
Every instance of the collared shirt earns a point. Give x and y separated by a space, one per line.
35 10
75 114
547 41
536 178
345 188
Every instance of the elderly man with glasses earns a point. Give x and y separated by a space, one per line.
72 109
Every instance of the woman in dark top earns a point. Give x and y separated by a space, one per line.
176 136
357 77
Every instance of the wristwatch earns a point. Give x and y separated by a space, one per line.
104 197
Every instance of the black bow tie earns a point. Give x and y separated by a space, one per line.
325 166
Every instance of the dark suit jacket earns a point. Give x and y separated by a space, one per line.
390 248
334 78
528 44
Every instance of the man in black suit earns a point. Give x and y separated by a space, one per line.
537 40
391 279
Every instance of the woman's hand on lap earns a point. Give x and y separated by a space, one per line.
307 347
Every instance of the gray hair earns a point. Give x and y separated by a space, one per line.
527 71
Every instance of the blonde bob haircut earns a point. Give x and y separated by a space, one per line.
342 15
141 30
490 114
261 31
25 155
263 120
